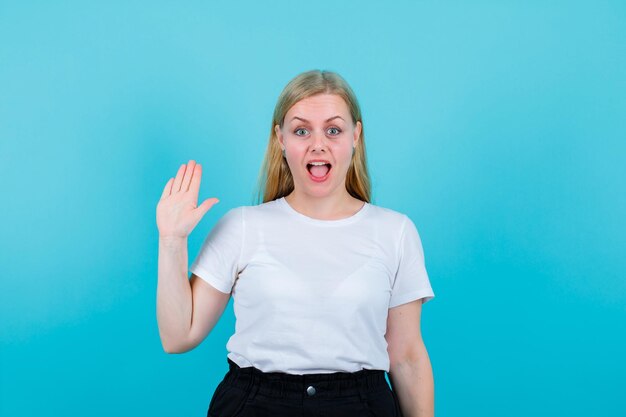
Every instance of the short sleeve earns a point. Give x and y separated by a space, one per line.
218 260
411 280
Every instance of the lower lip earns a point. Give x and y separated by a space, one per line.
319 179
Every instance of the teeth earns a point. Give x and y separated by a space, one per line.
317 163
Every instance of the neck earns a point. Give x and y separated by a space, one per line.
332 207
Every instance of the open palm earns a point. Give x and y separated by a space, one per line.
178 211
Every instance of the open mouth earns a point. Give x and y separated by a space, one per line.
319 171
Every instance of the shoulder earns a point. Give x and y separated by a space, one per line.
389 217
247 213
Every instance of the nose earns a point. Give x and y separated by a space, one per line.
318 141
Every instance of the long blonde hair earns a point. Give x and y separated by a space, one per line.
275 179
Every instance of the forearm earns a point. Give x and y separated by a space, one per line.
174 299
413 382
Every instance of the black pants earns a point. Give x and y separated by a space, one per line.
247 392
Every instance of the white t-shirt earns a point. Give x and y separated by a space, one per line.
311 295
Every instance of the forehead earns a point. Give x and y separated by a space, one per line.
319 106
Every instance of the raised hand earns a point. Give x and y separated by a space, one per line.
178 211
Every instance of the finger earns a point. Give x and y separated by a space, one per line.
195 179
179 178
188 174
206 205
168 189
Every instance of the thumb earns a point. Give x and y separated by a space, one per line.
206 205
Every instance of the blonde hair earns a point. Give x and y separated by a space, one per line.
275 179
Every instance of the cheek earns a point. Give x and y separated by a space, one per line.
297 151
342 151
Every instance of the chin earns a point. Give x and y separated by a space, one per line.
319 192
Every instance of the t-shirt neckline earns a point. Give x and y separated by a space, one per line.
337 222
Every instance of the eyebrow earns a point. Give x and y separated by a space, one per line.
305 120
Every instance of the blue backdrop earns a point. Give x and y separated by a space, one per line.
498 127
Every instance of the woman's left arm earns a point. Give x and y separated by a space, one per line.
410 371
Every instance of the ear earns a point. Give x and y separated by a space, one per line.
279 135
357 133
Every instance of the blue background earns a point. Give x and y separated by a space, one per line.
498 127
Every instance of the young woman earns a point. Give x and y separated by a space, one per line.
328 288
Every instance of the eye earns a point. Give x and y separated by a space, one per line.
335 129
298 130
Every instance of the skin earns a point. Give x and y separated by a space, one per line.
318 138
410 369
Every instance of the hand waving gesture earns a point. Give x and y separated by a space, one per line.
178 211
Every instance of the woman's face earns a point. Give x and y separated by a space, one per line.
319 128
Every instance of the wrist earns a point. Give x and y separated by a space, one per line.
172 240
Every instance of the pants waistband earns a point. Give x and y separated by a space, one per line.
283 385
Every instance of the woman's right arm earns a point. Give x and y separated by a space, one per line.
186 310
174 299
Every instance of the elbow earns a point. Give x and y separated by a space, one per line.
178 344
169 350
173 348
414 354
